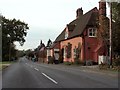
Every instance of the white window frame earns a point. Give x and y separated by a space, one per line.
94 33
48 52
66 34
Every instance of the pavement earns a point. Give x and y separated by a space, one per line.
92 69
27 74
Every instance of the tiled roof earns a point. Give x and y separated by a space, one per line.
88 19
53 45
61 36
71 27
78 25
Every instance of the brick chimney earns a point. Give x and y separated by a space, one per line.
102 8
79 12
102 16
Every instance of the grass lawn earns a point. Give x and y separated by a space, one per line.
0 66
5 64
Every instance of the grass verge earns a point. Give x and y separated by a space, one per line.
5 64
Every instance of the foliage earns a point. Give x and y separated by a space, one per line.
69 48
103 34
0 39
68 63
116 27
61 56
12 31
31 54
77 51
50 59
78 62
104 29
116 62
21 53
16 30
104 66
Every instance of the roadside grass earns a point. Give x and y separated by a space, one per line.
5 64
0 66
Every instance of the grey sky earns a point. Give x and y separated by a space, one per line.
46 18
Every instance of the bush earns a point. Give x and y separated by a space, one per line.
116 68
68 63
116 62
50 59
89 62
115 65
104 66
60 61
78 62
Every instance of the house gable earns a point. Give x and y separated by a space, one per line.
77 26
88 19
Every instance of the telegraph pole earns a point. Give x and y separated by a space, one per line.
110 34
10 51
9 46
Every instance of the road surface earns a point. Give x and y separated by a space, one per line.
27 74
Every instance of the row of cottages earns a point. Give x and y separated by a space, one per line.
78 41
41 52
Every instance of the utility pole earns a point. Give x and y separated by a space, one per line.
110 34
0 37
9 46
10 51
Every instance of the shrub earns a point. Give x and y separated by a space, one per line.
116 62
50 59
104 66
89 62
78 62
68 63
60 61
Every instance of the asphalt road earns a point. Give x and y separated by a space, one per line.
27 74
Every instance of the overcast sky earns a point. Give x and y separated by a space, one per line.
46 18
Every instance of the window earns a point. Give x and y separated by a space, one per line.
66 35
48 53
69 48
65 51
92 32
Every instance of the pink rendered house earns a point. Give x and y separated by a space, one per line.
79 38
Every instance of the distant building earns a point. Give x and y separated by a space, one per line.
41 52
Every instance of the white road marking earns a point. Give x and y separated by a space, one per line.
84 70
36 69
50 78
31 66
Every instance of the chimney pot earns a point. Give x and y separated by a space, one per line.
102 8
79 12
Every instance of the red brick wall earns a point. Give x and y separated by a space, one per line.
91 51
93 47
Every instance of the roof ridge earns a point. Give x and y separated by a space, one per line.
81 25
91 10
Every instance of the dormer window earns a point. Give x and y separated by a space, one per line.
92 32
66 35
